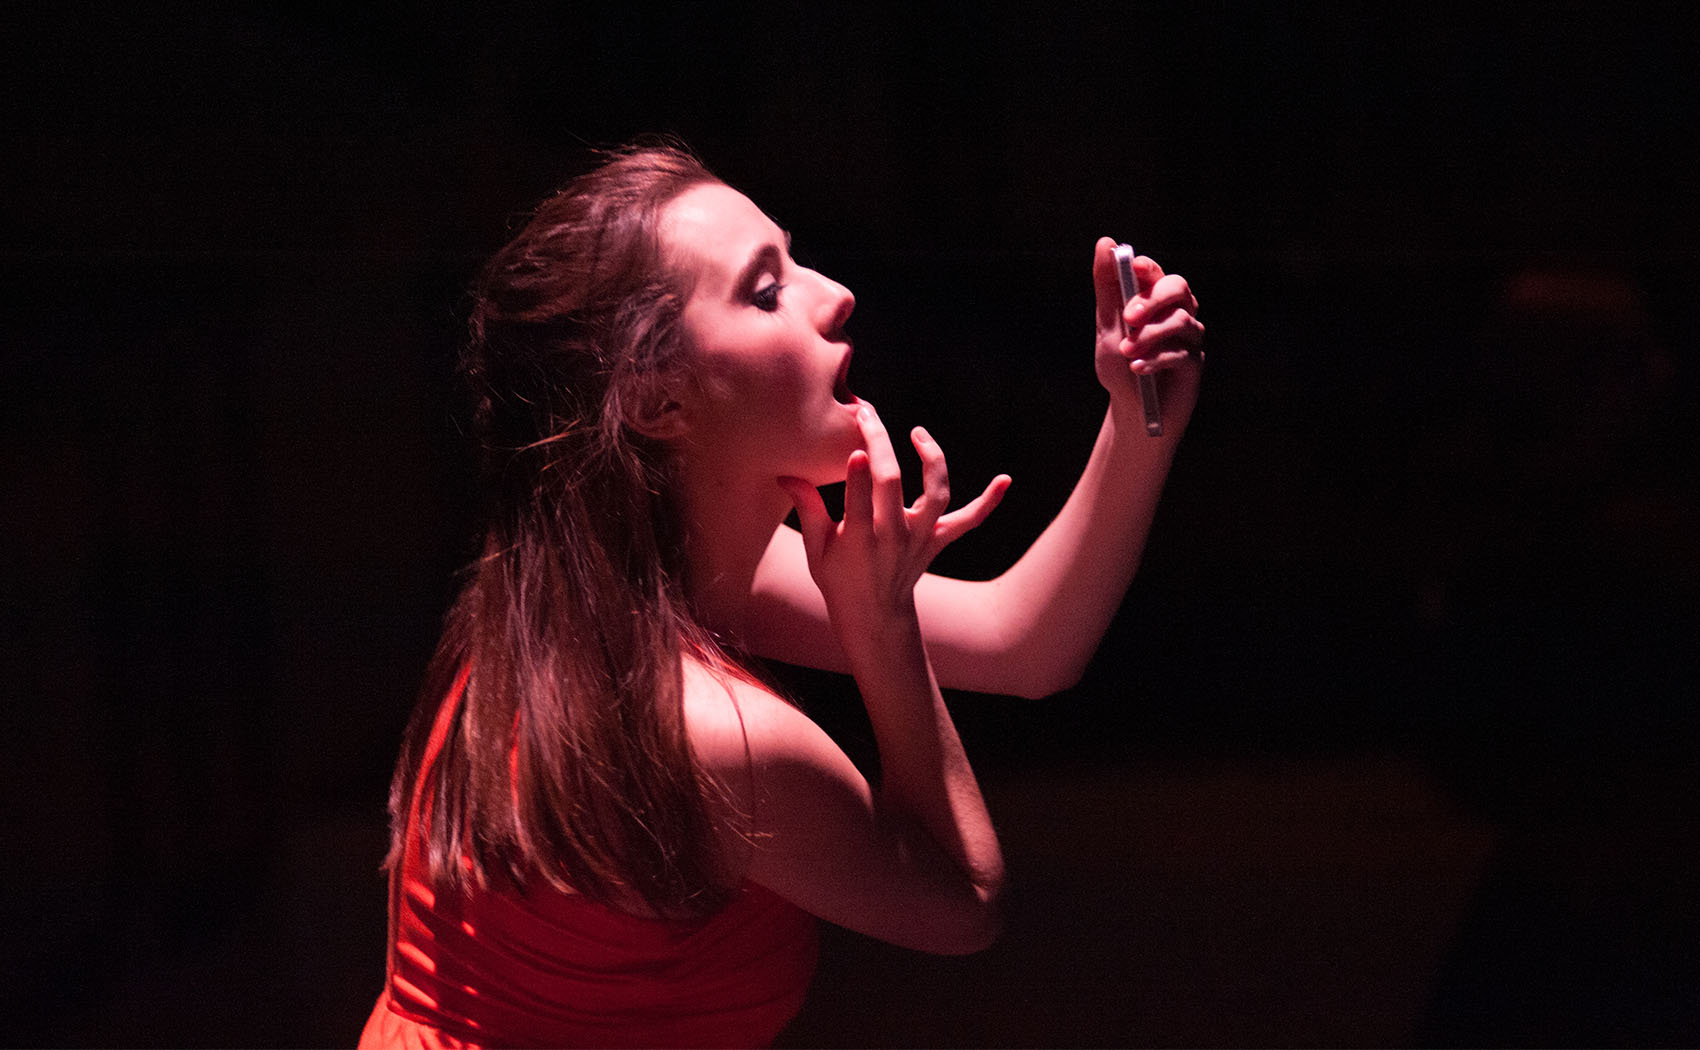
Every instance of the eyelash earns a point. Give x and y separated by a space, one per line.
767 298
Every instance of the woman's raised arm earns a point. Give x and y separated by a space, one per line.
1031 630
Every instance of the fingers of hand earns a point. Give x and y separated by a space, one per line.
1169 293
813 520
1165 344
1163 328
960 521
884 471
1106 284
858 493
935 482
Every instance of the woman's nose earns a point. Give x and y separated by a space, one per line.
837 303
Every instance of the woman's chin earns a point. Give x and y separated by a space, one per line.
832 446
831 471
827 476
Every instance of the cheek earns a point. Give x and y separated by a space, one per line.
754 380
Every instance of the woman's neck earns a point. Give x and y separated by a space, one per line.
728 525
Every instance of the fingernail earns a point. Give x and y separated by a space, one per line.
922 435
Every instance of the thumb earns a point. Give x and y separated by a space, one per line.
1107 286
812 518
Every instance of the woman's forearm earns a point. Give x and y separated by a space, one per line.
1052 607
926 782
1031 630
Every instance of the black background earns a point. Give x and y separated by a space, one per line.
1437 514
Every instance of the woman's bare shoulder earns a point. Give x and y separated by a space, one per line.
779 771
733 719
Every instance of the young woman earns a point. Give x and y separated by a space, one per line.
605 830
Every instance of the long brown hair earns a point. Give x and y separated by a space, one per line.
567 757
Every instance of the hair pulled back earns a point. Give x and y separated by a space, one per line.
567 757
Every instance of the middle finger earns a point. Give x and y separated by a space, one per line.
935 482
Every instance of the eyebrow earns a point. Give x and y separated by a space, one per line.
766 255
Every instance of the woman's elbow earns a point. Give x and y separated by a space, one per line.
977 927
989 928
1037 679
1033 666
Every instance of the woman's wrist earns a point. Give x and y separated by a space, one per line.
879 642
874 627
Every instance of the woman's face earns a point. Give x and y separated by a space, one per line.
766 394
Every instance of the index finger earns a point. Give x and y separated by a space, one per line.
1148 270
884 471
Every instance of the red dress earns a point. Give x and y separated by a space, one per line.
497 968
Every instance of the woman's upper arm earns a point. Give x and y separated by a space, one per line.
968 628
811 829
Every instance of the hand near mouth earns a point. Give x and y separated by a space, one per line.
868 563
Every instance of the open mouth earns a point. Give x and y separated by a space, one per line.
841 385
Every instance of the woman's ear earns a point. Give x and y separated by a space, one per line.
658 414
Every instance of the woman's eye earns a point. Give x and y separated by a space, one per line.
767 298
